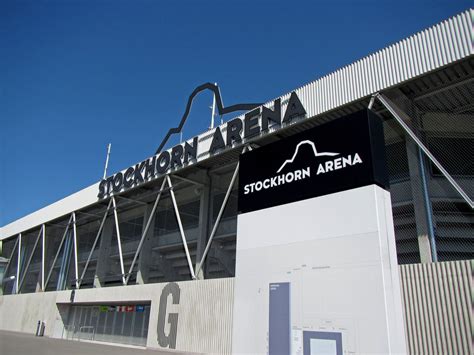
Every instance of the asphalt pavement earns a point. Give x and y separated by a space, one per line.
12 343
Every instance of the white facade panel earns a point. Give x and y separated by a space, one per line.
337 255
204 311
57 209
446 288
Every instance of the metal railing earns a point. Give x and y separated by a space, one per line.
88 327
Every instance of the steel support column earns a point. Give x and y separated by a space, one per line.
418 182
76 261
416 170
204 222
221 212
43 255
57 253
391 108
18 264
11 257
29 260
428 209
119 241
181 230
103 253
145 231
145 256
99 232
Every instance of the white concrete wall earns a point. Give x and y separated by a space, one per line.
204 311
337 253
78 200
21 313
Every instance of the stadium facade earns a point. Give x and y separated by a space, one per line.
155 255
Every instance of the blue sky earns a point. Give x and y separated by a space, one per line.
76 75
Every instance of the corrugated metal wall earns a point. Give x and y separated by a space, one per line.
437 299
438 307
205 311
419 54
433 48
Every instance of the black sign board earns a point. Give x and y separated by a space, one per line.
340 155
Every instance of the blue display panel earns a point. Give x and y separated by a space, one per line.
279 319
322 343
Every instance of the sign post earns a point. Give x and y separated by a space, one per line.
316 266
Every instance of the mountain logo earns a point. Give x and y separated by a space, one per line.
255 122
219 105
310 170
316 154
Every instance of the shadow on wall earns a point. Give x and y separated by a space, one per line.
60 329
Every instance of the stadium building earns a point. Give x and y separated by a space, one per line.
170 253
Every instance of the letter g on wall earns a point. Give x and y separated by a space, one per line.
171 289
